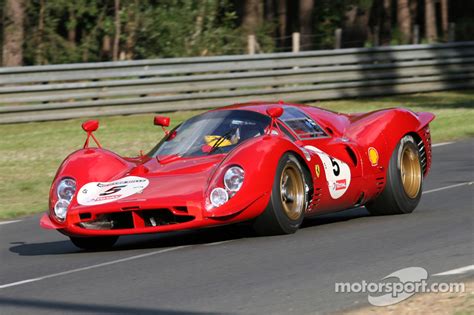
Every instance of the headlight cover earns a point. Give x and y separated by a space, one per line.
234 178
60 209
218 196
224 187
66 189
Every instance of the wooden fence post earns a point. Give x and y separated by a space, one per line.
338 38
376 35
416 34
251 44
452 32
295 39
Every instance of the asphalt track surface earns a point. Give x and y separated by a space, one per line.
221 271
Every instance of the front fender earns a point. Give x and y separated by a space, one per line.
88 165
259 158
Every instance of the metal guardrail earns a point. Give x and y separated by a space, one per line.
38 93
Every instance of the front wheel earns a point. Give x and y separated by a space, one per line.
94 243
404 185
285 210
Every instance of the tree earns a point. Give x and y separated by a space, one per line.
386 31
281 7
116 46
270 11
13 32
430 21
381 21
404 20
444 18
306 23
252 18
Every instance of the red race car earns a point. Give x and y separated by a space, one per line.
268 164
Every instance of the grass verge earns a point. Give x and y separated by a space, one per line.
31 153
428 303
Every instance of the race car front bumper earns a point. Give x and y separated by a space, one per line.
108 222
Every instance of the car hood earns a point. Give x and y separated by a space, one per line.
174 182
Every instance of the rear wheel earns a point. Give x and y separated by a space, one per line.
94 243
285 211
403 189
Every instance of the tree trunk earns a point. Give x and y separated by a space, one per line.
355 27
106 47
116 46
282 21
386 25
252 16
444 18
71 32
39 54
404 20
430 21
269 11
306 23
414 11
131 30
13 33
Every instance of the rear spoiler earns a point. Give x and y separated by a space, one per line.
425 118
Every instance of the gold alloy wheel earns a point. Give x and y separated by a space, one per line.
292 191
410 170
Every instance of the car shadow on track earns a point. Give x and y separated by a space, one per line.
35 305
173 239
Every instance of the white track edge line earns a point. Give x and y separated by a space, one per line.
456 271
441 144
447 187
8 222
108 263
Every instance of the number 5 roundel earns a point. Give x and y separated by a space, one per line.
338 173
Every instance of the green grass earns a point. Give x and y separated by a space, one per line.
31 153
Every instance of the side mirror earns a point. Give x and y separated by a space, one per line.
275 112
90 125
161 121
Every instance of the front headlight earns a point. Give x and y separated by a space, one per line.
60 209
66 189
225 187
234 178
218 197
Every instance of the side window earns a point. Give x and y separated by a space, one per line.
301 124
286 132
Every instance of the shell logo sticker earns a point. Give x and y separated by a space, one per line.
338 173
98 193
373 156
317 169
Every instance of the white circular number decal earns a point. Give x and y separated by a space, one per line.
338 173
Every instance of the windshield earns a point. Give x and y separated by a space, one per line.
211 133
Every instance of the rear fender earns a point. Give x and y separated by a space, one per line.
391 125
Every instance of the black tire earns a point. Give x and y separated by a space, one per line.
275 220
94 243
397 198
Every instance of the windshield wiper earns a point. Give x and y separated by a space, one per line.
222 138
